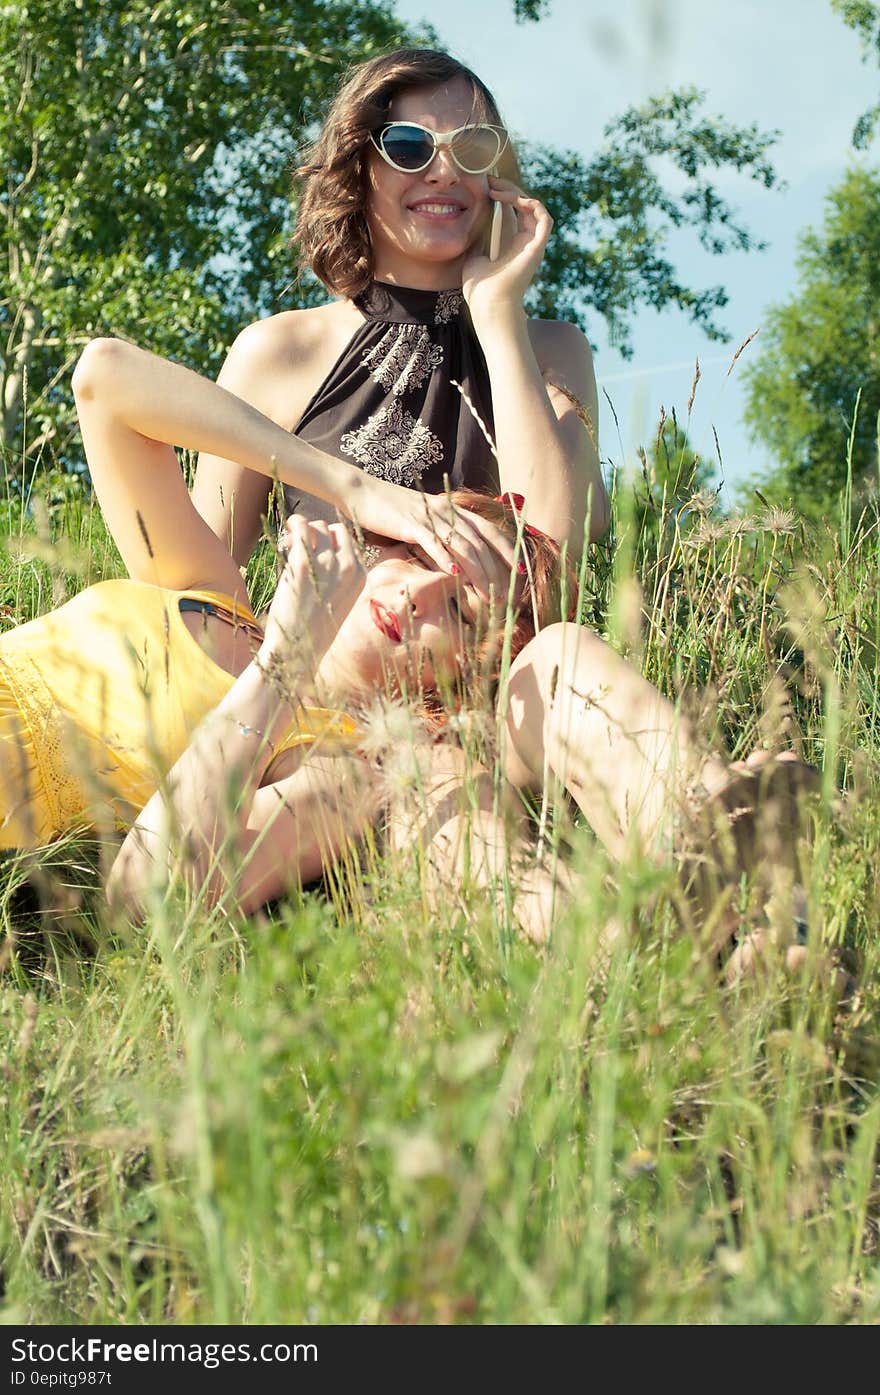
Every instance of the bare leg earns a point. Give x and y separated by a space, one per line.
449 819
582 715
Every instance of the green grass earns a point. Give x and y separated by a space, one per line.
352 1110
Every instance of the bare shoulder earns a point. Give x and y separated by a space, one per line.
292 333
564 356
277 363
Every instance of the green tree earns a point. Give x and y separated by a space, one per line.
819 349
608 253
864 17
146 150
673 475
672 468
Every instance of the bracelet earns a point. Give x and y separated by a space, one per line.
245 729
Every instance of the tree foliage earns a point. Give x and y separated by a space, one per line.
614 214
147 149
820 348
525 10
864 17
673 476
673 469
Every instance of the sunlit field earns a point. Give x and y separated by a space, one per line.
353 1108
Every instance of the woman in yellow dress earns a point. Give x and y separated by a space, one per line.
165 681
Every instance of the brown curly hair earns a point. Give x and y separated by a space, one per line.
331 236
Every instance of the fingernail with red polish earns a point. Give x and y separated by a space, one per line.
522 568
455 569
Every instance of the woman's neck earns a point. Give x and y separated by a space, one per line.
420 276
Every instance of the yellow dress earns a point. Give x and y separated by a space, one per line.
99 698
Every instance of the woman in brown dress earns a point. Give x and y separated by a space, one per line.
423 367
425 371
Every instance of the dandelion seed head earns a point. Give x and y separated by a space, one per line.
402 771
708 530
389 725
702 503
776 520
737 524
471 726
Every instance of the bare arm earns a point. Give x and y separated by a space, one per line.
274 365
212 816
166 403
133 406
545 452
282 835
230 498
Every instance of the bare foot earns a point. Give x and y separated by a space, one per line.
754 825
760 953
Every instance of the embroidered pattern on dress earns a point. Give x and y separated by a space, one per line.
448 305
47 750
394 445
403 358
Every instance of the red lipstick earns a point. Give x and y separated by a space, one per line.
385 621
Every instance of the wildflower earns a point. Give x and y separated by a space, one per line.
473 727
708 530
778 521
389 725
702 503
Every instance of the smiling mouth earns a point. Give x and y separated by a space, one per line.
385 621
437 209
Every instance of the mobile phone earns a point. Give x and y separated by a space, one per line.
495 232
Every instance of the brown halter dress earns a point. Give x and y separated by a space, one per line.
389 403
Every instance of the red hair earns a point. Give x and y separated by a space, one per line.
549 593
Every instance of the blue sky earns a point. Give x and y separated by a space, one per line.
788 65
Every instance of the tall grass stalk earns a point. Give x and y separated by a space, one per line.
354 1108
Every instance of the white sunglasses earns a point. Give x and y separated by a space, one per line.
410 148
